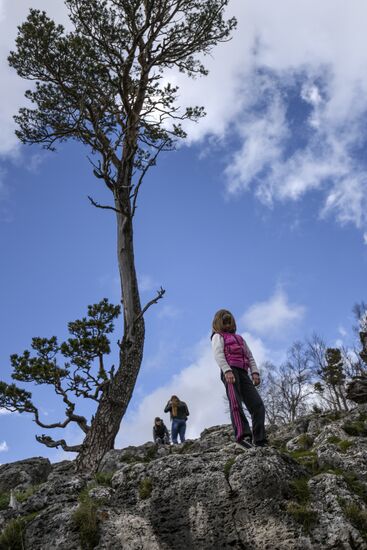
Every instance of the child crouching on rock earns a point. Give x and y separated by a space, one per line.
160 432
236 360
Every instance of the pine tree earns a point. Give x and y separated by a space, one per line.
104 84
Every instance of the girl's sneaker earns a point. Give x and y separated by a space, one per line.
245 443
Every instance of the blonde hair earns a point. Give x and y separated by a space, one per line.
175 403
218 322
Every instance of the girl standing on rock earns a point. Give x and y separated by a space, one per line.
179 413
235 360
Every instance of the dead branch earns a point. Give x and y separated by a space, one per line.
49 442
105 207
160 294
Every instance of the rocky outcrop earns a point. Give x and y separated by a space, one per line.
23 474
307 491
357 389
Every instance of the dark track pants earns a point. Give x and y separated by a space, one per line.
244 391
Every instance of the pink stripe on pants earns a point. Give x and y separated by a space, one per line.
234 406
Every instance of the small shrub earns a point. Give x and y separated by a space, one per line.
145 488
305 441
186 447
344 445
302 514
22 496
104 478
151 453
4 500
334 415
357 428
355 486
307 459
85 520
300 490
278 444
333 439
12 536
129 459
227 467
357 517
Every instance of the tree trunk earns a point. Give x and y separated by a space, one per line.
112 407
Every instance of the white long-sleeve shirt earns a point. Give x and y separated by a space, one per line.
218 350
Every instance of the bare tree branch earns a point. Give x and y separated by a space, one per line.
49 442
160 294
104 207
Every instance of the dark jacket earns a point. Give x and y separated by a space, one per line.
182 410
160 431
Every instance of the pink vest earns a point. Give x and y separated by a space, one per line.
234 350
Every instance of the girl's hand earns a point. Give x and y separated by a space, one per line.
229 376
256 379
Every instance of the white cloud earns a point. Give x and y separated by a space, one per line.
168 311
323 60
274 316
5 411
3 447
326 71
11 95
146 283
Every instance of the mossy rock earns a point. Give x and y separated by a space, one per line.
145 488
227 467
300 490
356 428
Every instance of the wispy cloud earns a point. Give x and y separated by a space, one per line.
4 447
146 283
273 317
168 311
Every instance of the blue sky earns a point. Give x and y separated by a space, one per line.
262 211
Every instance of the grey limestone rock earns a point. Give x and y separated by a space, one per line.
207 494
24 473
357 390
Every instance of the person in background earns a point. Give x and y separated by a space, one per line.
236 362
179 413
160 432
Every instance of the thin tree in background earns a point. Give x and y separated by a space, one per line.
271 395
105 85
330 369
360 311
288 388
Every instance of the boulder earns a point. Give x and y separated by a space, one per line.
23 474
357 389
